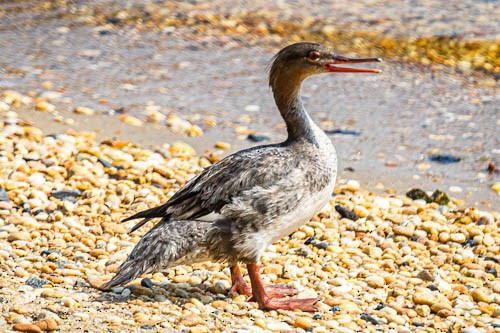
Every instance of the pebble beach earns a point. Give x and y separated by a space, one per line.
85 141
378 262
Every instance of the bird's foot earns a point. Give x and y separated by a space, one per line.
238 284
304 304
241 288
278 290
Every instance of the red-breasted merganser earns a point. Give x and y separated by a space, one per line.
238 206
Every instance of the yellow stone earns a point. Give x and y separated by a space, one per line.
219 304
222 145
130 120
28 328
84 111
49 324
480 296
303 322
52 293
260 323
45 106
194 131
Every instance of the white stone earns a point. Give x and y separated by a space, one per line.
36 179
352 185
470 330
381 203
252 108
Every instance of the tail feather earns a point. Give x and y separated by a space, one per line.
163 246
129 270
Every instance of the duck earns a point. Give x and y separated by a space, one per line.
234 209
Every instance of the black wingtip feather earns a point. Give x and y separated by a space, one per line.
138 215
147 215
138 225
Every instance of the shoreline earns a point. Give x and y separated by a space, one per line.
401 265
384 176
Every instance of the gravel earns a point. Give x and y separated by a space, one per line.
389 256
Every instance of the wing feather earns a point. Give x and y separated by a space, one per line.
219 184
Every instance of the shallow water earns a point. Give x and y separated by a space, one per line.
404 115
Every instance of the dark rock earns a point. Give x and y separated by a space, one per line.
310 240
29 159
317 316
349 169
147 283
417 324
495 260
444 158
440 197
418 194
147 327
113 20
36 283
47 252
257 138
302 252
60 264
492 168
3 195
483 220
105 163
70 195
369 318
380 306
321 245
493 271
81 284
432 287
343 132
470 243
335 308
27 208
345 213
425 275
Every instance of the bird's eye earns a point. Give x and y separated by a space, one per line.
313 55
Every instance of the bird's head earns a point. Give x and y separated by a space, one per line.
301 60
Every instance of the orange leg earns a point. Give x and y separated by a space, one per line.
238 284
266 302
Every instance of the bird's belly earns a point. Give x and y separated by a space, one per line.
308 207
253 244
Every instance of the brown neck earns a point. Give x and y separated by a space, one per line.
286 90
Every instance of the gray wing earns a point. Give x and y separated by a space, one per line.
219 184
